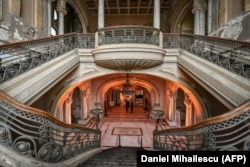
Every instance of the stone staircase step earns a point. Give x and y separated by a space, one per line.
113 157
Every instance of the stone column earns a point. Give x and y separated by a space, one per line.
196 12
157 14
246 5
61 9
210 14
84 105
199 8
202 23
68 103
172 107
196 22
100 14
213 7
189 110
49 17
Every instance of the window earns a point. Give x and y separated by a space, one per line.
53 31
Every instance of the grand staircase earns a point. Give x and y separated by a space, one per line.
114 157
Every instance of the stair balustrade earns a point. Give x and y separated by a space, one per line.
230 54
17 58
230 131
37 134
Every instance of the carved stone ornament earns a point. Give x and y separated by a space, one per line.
30 33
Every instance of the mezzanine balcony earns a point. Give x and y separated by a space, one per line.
128 48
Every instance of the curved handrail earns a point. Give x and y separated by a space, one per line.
227 53
19 57
128 26
207 135
35 133
128 34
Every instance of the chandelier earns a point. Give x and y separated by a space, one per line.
127 91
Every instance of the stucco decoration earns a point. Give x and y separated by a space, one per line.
30 33
233 31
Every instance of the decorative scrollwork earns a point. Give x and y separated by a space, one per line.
1 77
42 138
10 72
74 149
237 67
25 56
210 141
230 149
214 58
25 66
216 51
224 62
44 135
67 151
45 152
57 154
246 146
247 72
24 146
5 135
36 61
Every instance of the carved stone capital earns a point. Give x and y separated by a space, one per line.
199 6
187 100
61 9
69 99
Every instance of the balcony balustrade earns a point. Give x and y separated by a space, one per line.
129 34
128 48
124 48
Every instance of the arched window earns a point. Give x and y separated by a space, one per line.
55 15
53 31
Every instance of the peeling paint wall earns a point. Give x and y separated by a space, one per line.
14 28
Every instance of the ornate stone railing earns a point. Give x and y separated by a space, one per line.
230 131
229 54
128 34
20 57
34 133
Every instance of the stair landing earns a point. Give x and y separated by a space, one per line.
126 129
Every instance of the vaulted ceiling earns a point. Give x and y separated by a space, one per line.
172 12
128 6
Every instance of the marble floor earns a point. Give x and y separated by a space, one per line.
126 129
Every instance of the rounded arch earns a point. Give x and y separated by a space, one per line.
180 13
150 87
76 81
81 14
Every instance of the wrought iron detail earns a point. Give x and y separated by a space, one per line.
128 34
231 55
230 134
39 137
16 59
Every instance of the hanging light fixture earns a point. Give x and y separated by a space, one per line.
127 91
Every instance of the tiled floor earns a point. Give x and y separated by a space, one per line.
135 129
